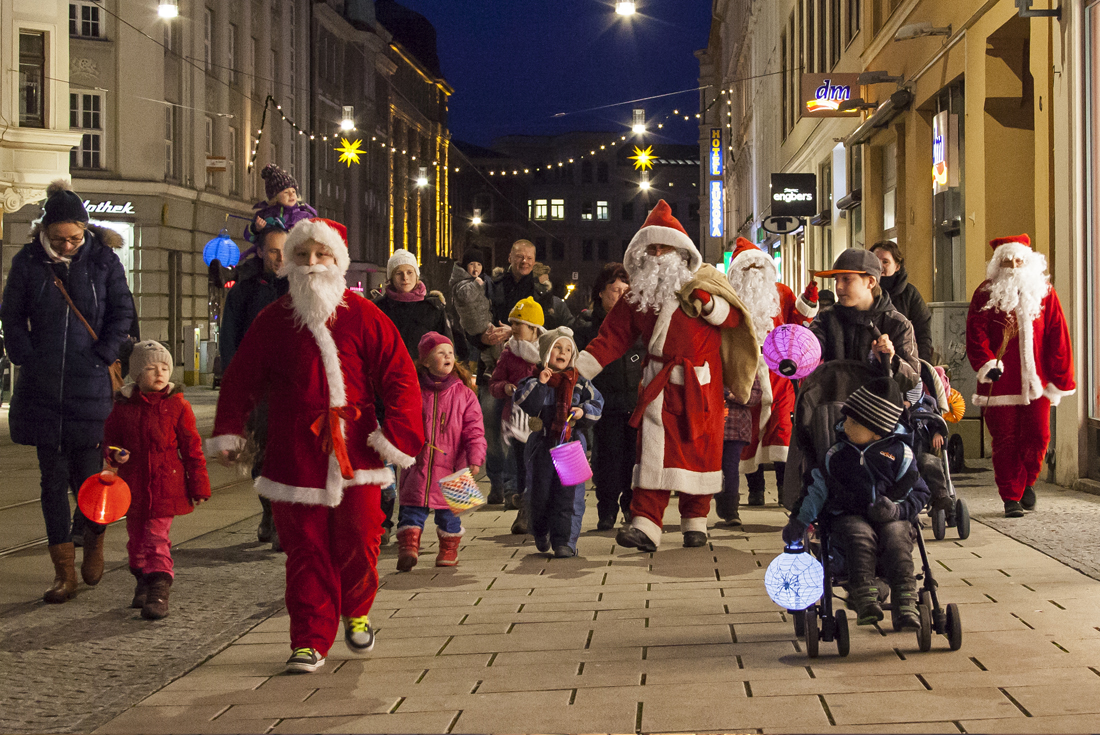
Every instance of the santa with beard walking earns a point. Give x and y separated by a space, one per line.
322 355
1018 341
753 276
699 337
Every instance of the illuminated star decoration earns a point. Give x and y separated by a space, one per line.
642 159
349 151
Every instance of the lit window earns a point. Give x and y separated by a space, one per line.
540 209
601 212
86 115
84 19
586 210
557 209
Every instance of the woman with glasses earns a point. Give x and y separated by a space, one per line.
68 274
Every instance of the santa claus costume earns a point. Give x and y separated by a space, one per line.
699 337
322 355
753 276
1018 341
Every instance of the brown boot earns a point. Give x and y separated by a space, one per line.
63 557
408 547
448 548
140 589
91 567
157 585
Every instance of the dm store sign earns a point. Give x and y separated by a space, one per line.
822 94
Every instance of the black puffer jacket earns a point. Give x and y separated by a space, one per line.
63 394
505 291
251 294
414 319
910 304
618 382
844 335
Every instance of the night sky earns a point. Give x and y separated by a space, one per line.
515 63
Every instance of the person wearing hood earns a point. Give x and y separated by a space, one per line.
66 312
904 295
407 302
847 330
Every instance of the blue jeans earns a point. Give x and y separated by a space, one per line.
415 515
501 472
61 471
727 502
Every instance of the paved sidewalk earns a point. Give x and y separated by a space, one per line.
682 640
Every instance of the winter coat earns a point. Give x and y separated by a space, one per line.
166 470
619 381
455 439
518 361
505 292
253 291
739 415
63 394
910 304
844 335
539 399
414 319
277 215
470 301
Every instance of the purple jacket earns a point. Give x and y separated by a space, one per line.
455 439
277 214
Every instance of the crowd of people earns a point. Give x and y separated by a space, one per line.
344 407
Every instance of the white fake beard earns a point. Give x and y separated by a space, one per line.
315 292
656 280
756 287
1022 288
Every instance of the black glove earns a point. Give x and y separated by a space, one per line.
994 375
794 532
883 510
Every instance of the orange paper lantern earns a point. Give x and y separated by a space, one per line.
104 497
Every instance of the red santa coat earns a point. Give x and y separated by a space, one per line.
682 403
771 418
322 381
1036 361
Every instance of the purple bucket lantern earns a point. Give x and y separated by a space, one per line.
792 351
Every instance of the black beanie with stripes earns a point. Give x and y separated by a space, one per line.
877 405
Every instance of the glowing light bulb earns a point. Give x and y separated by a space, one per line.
168 9
625 7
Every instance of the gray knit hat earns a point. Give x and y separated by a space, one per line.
146 353
877 405
547 340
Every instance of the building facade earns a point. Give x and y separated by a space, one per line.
967 121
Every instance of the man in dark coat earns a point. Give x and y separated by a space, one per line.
257 286
63 394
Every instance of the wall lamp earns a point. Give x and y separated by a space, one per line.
857 103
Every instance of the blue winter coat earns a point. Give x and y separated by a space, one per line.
63 394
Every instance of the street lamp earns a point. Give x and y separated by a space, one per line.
638 125
477 217
348 121
168 9
422 179
644 183
625 7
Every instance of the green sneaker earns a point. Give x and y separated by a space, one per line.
359 635
907 613
304 661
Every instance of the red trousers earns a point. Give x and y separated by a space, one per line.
648 509
331 563
148 546
1020 435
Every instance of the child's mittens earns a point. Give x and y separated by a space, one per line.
883 510
794 531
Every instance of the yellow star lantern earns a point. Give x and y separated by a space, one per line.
349 151
643 159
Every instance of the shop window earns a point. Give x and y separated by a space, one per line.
86 116
84 19
557 209
603 251
540 209
601 211
32 79
601 172
586 211
586 250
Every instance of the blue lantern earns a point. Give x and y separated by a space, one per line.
795 580
223 249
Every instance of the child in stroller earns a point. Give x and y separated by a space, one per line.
868 492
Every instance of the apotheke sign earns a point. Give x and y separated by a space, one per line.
794 195
109 207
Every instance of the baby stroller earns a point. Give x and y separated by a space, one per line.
816 416
924 419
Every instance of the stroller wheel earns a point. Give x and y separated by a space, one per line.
939 523
924 633
843 642
954 627
962 519
810 617
799 617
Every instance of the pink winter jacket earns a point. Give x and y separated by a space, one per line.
455 439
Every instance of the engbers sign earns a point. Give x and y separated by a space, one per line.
822 94
794 195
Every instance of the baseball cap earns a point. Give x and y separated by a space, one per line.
854 260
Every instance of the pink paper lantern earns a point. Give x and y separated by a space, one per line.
792 351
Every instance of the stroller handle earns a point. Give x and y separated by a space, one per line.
875 334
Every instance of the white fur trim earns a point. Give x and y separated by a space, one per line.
330 358
1031 387
282 493
660 329
763 374
322 233
1009 400
658 235
677 480
588 366
749 256
693 524
388 451
649 528
983 371
805 308
215 445
764 454
676 375
1055 395
443 534
720 310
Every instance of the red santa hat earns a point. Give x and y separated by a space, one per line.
661 228
999 241
332 235
746 253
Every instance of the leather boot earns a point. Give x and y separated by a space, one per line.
448 548
408 547
91 567
63 557
157 586
139 590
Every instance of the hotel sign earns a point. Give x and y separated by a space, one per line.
715 151
823 93
717 207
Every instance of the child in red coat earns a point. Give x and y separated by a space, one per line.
151 437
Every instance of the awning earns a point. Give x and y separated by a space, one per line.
897 103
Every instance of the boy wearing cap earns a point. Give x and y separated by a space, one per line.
846 331
870 490
561 398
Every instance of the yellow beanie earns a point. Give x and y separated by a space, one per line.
527 311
